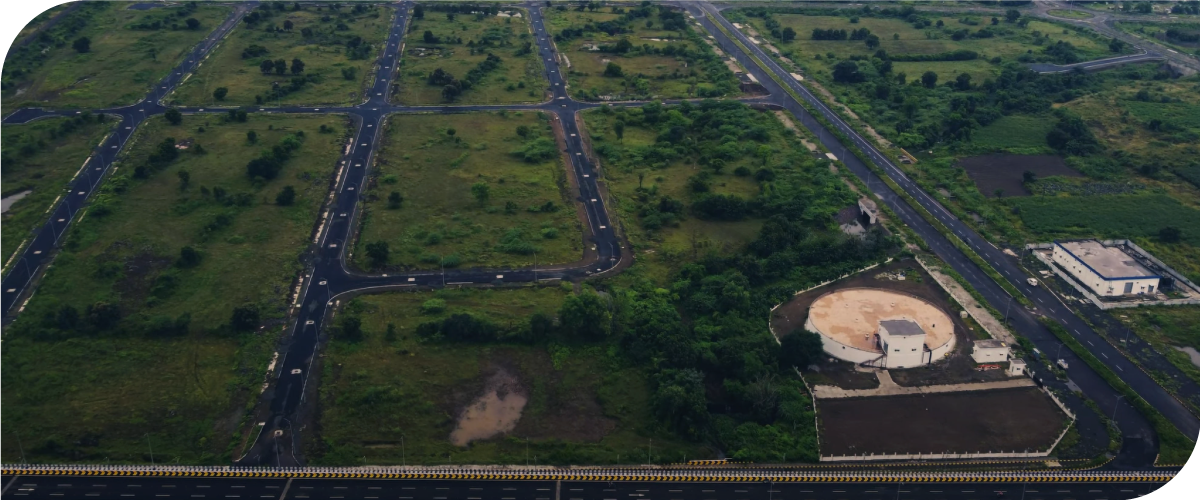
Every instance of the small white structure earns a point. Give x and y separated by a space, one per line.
1108 271
902 342
1016 367
989 351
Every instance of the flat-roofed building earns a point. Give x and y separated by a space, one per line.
903 343
1108 271
989 351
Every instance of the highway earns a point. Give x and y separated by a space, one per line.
1138 448
87 488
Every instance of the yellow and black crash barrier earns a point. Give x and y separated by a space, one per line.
661 475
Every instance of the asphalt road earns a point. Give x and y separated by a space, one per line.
86 488
1139 448
283 409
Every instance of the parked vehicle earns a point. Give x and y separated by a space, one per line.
1062 363
1032 282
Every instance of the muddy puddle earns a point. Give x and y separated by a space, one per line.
495 411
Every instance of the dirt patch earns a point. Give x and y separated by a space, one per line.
838 373
496 411
1007 172
1002 420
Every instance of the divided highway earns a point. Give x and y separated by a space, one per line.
1139 449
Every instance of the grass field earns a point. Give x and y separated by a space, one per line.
648 70
1167 328
584 405
518 78
337 46
64 78
39 21
1123 216
39 159
897 37
526 214
1022 134
127 336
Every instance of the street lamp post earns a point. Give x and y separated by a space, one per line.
151 446
1115 406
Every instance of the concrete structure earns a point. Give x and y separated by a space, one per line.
856 323
1016 367
989 351
1107 270
903 343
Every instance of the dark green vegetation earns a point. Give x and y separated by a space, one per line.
1182 36
471 189
690 180
159 315
419 360
72 64
632 52
452 55
40 158
292 53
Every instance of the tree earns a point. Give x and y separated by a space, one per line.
613 70
619 128
280 66
929 79
481 191
963 81
286 197
220 93
429 38
523 130
872 42
789 34
1028 176
450 92
586 316
395 200
847 72
419 12
188 257
378 253
288 25
185 178
449 16
679 400
350 326
193 23
1170 234
266 66
244 319
349 73
174 116
1012 15
297 66
252 136
801 348
82 44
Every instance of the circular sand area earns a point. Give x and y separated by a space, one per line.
851 316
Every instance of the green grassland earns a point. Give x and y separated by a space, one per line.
61 77
659 63
1124 216
518 78
127 335
585 404
42 157
527 214
640 175
39 21
1015 133
337 46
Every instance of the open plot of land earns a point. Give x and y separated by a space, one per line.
144 45
962 422
337 47
567 401
474 191
1015 133
1007 172
899 37
1124 216
461 47
39 159
130 332
655 52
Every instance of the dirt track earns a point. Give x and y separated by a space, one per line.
1002 420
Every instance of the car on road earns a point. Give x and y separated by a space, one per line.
1032 281
1062 363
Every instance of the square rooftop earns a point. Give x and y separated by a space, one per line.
1108 262
901 327
990 344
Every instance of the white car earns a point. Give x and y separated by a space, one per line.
1062 363
1032 282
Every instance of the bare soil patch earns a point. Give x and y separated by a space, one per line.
960 422
1007 172
494 412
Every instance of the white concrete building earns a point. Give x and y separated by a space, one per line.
989 351
903 343
1016 367
1107 271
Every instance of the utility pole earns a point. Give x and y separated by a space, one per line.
151 448
20 447
650 452
1115 406
442 263
1007 308
403 454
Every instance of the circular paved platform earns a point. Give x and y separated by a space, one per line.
851 316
